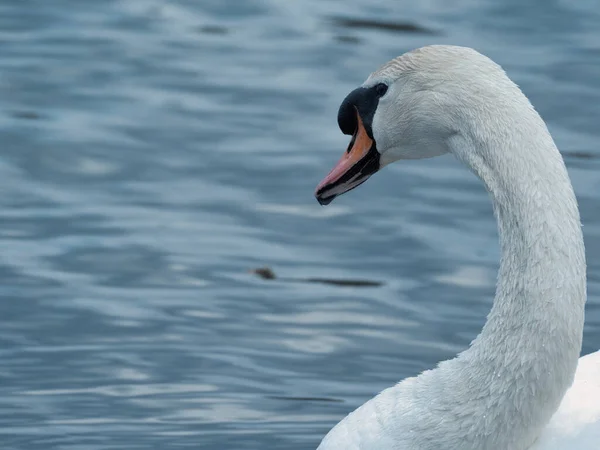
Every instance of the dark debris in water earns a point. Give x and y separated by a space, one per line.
581 155
372 24
352 283
306 399
30 115
348 39
266 273
213 29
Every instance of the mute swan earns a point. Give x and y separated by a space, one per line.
520 385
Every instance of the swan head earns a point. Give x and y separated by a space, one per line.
409 109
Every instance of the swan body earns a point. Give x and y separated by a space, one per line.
520 385
576 423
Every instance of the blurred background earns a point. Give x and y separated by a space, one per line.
153 151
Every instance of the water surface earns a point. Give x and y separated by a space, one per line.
153 152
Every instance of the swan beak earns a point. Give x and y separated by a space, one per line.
360 161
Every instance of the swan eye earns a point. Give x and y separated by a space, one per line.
381 89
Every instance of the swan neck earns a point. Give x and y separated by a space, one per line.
525 358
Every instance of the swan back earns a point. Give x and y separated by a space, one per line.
576 424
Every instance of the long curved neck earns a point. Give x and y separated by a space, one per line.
517 370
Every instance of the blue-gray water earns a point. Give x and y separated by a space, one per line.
153 151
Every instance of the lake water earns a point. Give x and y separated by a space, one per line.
153 152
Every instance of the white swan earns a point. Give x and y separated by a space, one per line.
507 391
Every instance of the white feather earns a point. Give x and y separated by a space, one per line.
507 390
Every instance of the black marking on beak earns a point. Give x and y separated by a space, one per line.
363 100
354 177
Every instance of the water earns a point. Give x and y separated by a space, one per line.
153 152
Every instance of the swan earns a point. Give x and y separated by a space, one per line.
520 384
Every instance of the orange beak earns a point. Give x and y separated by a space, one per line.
360 161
